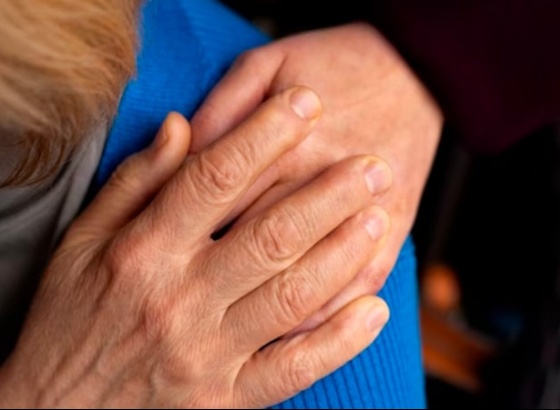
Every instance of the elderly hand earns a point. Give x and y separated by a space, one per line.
141 308
373 104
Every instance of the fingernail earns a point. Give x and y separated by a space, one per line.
376 319
378 178
374 226
306 104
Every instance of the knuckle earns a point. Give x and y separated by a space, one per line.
160 322
300 374
156 322
129 264
185 357
278 236
122 257
218 177
292 295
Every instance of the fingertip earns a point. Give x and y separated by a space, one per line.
378 314
364 316
177 126
305 103
172 128
377 222
174 137
378 174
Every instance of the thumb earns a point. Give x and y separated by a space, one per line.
238 94
138 179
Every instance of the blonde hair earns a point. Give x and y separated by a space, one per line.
63 65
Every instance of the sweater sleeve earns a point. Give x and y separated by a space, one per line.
493 66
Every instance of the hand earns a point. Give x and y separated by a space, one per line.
373 104
140 308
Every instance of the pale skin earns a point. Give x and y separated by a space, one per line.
373 104
141 308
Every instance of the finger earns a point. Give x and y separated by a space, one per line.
268 185
138 179
288 299
292 365
274 240
267 193
356 289
191 206
246 85
369 281
278 182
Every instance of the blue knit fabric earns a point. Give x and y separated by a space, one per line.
186 47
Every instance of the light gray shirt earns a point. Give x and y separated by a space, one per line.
33 219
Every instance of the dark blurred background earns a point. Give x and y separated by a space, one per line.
487 237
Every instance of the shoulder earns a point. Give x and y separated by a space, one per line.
185 48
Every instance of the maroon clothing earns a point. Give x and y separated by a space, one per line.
493 65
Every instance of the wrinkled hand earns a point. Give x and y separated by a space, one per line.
140 308
373 104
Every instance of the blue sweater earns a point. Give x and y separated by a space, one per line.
187 45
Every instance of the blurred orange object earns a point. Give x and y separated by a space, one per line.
452 351
440 289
